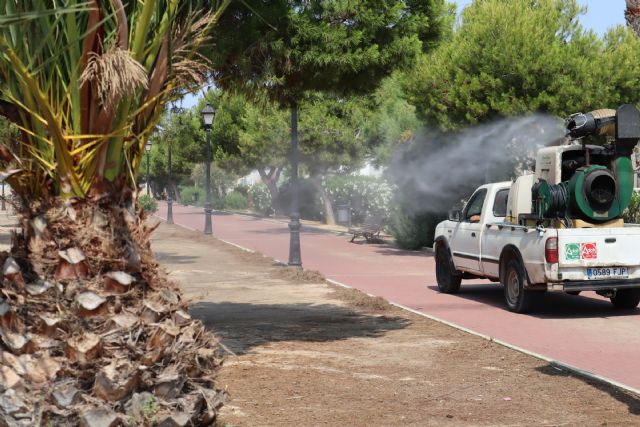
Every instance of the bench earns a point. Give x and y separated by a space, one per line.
370 230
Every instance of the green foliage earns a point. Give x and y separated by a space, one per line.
260 199
186 196
413 231
367 195
86 82
393 120
310 203
289 47
331 133
242 189
148 203
511 57
235 201
632 213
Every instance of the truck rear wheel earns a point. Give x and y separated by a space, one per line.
518 299
446 275
626 298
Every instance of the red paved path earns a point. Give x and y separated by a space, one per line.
583 331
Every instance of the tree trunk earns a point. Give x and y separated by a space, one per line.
86 305
329 218
632 15
270 179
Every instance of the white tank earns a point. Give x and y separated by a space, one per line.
519 200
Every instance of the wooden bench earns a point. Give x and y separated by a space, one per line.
370 230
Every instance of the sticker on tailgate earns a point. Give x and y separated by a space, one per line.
578 251
589 251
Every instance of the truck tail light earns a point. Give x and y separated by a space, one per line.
551 250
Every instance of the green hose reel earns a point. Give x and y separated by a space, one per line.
593 193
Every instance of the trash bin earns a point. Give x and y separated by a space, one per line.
343 214
194 197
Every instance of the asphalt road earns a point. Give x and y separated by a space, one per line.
583 331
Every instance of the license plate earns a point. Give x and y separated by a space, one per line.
607 273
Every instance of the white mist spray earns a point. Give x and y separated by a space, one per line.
437 170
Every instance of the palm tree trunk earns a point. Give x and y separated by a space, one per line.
632 15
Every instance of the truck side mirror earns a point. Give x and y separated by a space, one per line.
455 215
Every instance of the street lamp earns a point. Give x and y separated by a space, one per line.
208 114
148 150
295 257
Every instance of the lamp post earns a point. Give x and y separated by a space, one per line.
208 114
4 207
170 188
295 257
148 150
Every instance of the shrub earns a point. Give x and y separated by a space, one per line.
148 203
367 195
186 196
310 203
236 201
631 215
260 199
242 189
413 231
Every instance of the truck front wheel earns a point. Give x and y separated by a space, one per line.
518 299
446 275
626 298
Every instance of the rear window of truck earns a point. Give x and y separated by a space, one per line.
500 203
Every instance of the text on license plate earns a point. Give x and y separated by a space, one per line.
608 273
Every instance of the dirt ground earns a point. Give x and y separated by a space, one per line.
307 353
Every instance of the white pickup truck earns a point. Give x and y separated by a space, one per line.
478 242
559 228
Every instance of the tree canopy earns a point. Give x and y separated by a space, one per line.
509 57
291 46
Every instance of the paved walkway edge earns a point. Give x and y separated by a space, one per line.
553 363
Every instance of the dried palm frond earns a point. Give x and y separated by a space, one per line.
114 74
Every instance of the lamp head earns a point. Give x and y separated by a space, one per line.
208 113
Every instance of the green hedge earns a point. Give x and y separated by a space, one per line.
186 196
235 201
148 203
259 199
413 231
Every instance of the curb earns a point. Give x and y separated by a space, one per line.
552 362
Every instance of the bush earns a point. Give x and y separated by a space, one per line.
236 201
260 199
413 231
631 215
186 196
148 203
310 203
242 189
367 195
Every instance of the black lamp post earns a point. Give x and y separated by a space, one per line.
295 257
148 150
170 188
4 207
208 114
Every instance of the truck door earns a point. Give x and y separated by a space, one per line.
465 239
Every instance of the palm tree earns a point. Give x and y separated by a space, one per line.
632 15
85 83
